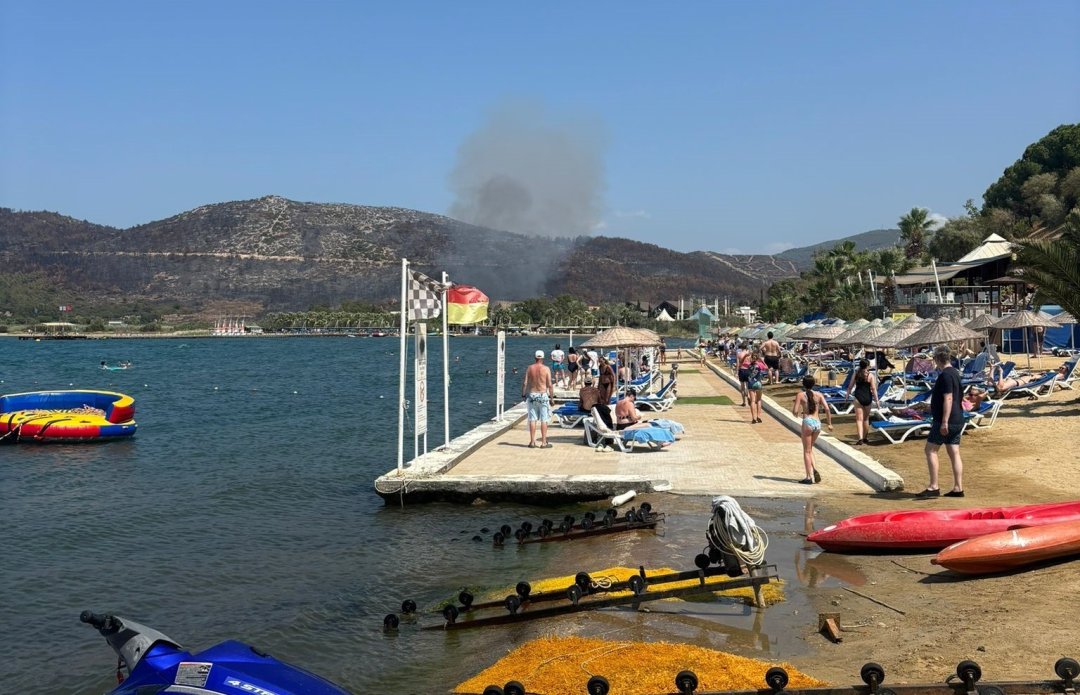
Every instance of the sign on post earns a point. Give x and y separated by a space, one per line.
420 381
500 376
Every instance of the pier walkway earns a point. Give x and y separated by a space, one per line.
721 452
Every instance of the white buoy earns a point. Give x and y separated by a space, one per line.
622 499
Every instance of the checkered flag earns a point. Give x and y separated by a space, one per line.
424 297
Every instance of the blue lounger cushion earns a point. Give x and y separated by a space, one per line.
670 425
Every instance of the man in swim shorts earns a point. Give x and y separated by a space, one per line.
537 391
770 350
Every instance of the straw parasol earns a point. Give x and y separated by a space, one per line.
892 336
914 319
868 333
941 330
1067 319
621 336
821 332
1026 319
982 322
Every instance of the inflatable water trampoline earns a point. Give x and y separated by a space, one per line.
66 416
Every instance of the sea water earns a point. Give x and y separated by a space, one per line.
244 509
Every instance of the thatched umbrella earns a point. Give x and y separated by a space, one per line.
1067 319
892 336
623 337
1024 320
822 332
912 320
984 323
941 330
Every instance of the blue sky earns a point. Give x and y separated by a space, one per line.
743 126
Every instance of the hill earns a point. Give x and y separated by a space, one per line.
280 254
803 257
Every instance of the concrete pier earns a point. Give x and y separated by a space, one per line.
721 452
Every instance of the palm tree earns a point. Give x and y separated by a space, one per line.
914 228
1053 265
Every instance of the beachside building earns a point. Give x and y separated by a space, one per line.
976 283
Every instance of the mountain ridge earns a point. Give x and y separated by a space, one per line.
287 255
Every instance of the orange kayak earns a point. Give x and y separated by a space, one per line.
1008 550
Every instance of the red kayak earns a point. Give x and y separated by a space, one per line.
934 529
1008 550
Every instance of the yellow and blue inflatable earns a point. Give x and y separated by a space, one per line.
66 416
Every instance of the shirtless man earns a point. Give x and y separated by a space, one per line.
770 350
537 391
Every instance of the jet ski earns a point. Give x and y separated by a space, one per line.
154 663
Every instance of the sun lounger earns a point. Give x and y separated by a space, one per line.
985 417
897 430
843 405
828 391
599 433
791 371
1037 389
1072 373
661 400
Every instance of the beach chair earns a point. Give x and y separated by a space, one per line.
973 371
1072 373
897 430
659 401
842 405
792 371
828 391
599 431
569 415
1036 389
985 417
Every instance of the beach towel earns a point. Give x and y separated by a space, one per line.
671 425
645 435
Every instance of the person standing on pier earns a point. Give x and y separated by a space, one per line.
607 380
537 391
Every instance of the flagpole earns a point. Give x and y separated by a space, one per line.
446 364
401 369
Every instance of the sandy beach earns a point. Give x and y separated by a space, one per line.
1013 625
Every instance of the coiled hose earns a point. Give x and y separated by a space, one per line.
732 531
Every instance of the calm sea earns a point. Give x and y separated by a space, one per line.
244 510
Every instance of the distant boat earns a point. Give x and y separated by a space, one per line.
118 367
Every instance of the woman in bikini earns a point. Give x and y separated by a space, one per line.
808 403
1002 384
865 388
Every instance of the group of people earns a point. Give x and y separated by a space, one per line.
538 386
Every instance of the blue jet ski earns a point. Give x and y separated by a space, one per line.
156 664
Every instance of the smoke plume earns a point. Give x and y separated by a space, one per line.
524 172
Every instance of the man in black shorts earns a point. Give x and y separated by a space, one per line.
770 350
947 413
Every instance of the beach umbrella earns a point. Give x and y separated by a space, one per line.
620 337
892 336
1067 319
1024 320
913 320
983 322
822 332
868 333
941 330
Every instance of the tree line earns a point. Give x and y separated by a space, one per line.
1035 204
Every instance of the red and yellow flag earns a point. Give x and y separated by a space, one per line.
466 304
